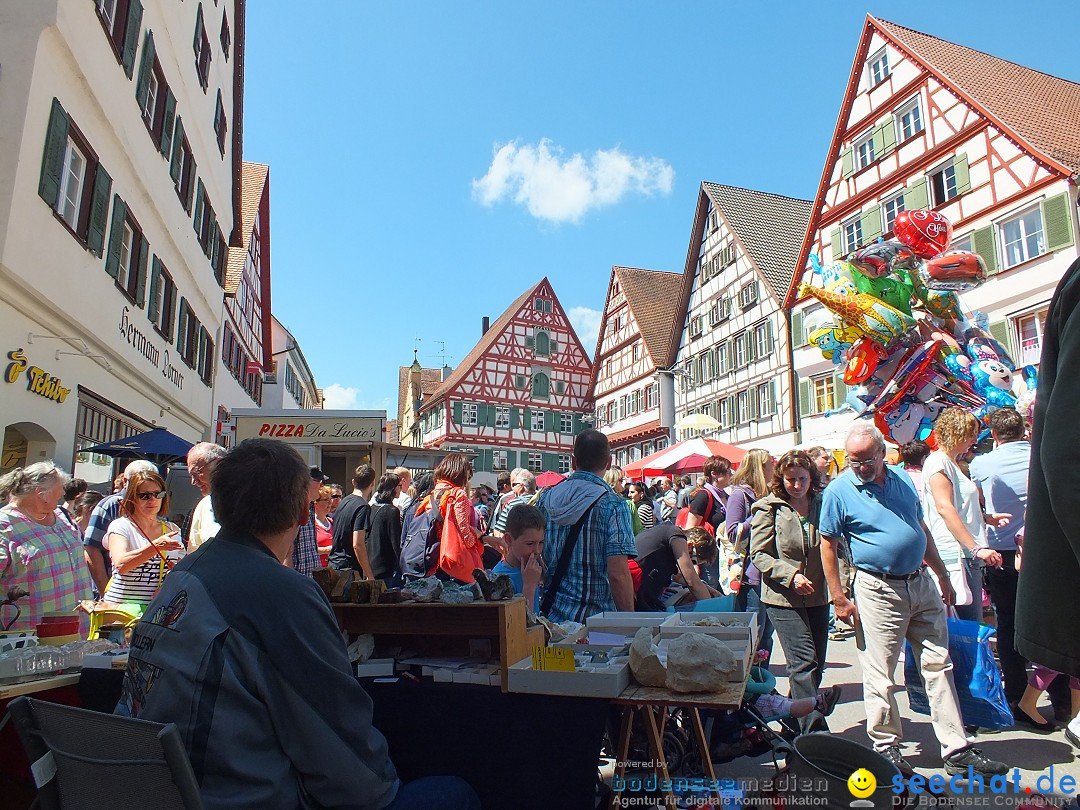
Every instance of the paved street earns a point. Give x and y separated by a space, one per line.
1031 752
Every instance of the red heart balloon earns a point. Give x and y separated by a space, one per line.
927 233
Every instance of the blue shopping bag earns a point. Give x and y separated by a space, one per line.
975 672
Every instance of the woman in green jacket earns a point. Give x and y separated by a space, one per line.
785 547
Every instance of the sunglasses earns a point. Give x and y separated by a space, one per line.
151 496
321 500
335 497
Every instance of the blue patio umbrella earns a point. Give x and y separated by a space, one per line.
157 444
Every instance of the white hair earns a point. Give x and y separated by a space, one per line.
206 452
520 475
139 466
24 480
863 429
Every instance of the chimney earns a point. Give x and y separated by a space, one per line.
485 324
446 371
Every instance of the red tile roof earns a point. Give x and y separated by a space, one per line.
254 184
1043 111
651 295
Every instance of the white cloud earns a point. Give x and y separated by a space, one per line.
339 397
563 189
586 323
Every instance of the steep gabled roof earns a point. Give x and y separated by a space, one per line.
649 295
769 226
254 184
1040 112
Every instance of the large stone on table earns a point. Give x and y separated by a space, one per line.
697 662
494 587
645 663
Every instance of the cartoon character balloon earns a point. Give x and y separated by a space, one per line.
992 381
884 258
865 313
954 271
833 340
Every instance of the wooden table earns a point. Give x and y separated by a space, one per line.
652 703
14 690
504 623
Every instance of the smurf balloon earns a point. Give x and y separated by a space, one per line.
834 340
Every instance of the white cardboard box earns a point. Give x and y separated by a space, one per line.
626 623
375 668
744 627
600 681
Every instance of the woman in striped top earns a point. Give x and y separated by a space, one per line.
143 546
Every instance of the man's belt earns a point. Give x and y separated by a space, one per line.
901 577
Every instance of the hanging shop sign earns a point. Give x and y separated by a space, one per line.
318 430
38 381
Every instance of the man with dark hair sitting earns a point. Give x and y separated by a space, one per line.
245 656
588 527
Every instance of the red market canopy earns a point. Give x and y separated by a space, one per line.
667 460
549 479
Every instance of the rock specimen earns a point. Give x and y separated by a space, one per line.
494 587
424 590
645 662
697 662
454 594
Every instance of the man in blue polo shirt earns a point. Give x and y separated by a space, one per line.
877 510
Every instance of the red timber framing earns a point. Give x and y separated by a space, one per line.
1003 165
523 387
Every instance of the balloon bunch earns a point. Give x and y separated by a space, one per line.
907 349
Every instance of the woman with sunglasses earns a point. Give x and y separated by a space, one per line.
324 526
143 546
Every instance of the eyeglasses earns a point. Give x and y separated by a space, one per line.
335 497
151 496
870 462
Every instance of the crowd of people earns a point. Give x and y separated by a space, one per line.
887 548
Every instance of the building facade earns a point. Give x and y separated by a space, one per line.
415 385
245 319
632 385
734 352
927 123
119 194
519 397
290 383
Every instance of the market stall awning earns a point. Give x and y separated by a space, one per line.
664 461
549 479
157 445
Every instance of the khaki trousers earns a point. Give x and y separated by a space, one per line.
889 612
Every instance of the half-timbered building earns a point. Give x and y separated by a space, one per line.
245 322
993 146
415 385
518 398
631 386
734 355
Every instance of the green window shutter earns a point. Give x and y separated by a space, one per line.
960 170
197 221
847 162
515 418
550 461
155 282
167 123
488 415
577 424
1000 331
181 326
457 413
177 150
805 399
751 404
982 242
751 346
916 196
99 211
733 416
841 390
52 162
886 138
1057 222
772 397
798 333
131 36
146 69
211 229
140 283
834 238
871 224
116 235
526 419
772 336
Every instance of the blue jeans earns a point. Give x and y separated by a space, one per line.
435 793
749 599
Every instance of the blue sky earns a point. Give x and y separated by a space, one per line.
431 160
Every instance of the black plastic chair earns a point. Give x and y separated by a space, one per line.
83 759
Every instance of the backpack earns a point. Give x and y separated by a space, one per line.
422 539
684 515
